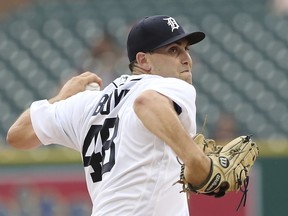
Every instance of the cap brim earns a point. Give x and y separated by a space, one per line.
193 38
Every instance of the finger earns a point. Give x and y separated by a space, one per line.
94 78
91 77
86 73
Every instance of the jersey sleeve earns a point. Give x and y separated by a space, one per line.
62 122
184 97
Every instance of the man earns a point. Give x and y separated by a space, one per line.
132 134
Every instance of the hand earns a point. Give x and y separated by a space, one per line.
75 85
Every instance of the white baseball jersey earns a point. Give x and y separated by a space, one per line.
129 171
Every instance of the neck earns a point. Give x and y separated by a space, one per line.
137 71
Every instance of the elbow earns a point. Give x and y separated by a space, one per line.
143 102
150 101
10 138
138 104
19 141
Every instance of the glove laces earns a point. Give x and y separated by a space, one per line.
245 182
243 189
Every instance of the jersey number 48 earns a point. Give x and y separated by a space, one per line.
97 160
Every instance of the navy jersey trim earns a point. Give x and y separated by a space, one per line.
177 108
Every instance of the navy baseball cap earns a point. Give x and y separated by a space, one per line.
151 33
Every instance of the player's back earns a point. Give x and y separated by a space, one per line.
129 170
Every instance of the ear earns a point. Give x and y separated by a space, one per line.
142 61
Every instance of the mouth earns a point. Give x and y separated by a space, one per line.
186 71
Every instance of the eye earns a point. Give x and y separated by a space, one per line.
173 50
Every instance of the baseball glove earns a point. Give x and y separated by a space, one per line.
207 145
230 166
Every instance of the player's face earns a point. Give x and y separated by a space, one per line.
172 60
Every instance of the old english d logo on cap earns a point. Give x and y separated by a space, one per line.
172 23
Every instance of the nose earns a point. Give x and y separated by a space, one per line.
186 58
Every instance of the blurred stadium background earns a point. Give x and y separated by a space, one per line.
240 72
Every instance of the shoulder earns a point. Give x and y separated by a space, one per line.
180 92
173 86
80 105
84 97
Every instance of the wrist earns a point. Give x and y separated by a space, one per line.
199 172
194 187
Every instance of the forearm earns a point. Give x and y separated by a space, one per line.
158 115
21 134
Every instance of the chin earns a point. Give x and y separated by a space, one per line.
188 79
